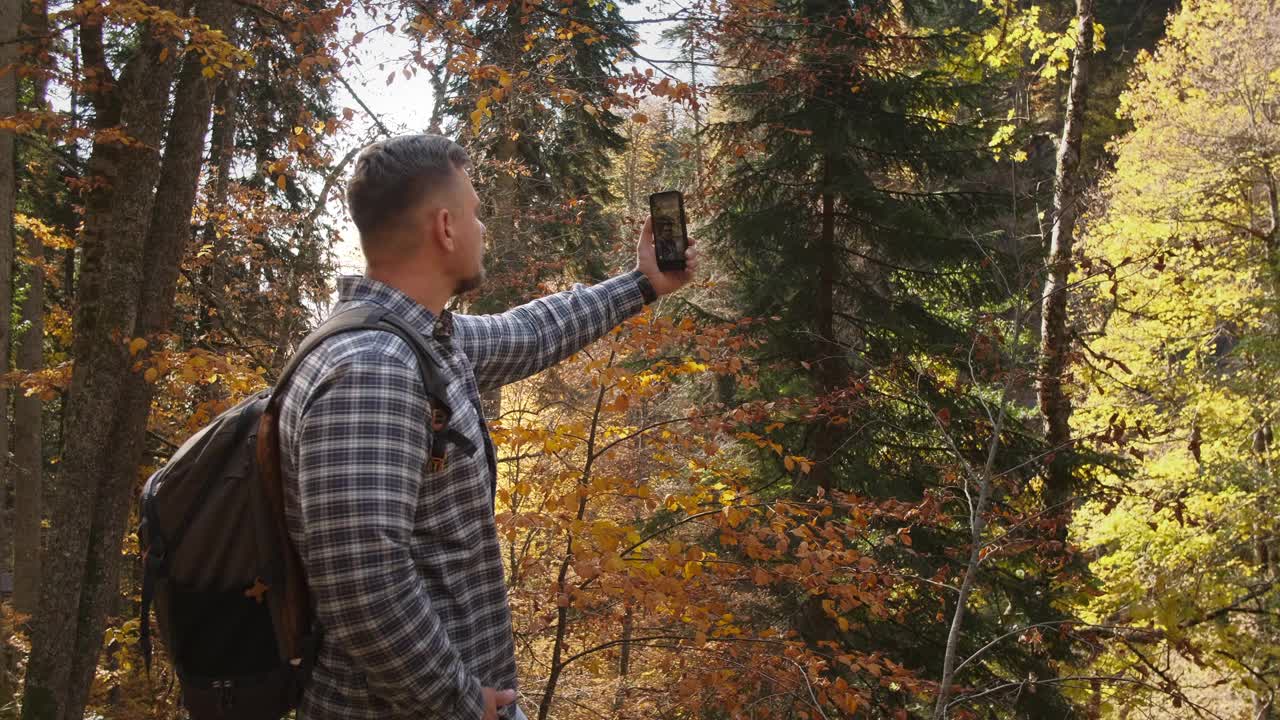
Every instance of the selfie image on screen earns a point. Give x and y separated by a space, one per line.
668 238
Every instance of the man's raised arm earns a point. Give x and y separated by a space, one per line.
528 339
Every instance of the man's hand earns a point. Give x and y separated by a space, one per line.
494 699
647 263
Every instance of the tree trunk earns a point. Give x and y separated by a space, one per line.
1055 405
28 455
221 152
697 114
10 13
828 365
169 233
116 215
440 78
28 447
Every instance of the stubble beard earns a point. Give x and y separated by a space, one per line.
468 284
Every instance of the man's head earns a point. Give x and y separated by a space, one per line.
416 209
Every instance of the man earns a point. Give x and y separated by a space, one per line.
403 560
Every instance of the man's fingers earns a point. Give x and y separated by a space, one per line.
504 697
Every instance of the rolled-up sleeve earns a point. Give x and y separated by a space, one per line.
362 445
511 346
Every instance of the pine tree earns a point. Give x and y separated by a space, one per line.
543 149
856 211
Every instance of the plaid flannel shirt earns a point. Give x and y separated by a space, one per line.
403 562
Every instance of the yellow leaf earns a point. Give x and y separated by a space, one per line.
640 118
280 182
209 72
136 346
150 375
164 54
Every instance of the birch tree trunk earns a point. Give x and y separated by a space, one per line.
1055 341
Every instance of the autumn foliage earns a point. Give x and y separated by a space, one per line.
815 483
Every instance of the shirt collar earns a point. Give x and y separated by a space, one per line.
358 288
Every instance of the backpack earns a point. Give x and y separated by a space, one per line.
230 597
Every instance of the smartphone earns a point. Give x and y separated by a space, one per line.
670 231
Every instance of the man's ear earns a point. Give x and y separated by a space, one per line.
442 228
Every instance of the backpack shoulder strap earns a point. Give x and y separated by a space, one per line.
359 317
375 317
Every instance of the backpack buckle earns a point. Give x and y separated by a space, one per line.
439 419
438 461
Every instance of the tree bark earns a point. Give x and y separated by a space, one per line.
28 454
1055 341
169 233
829 365
10 13
697 114
28 451
83 559
221 152
440 77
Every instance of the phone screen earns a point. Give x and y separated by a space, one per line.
669 238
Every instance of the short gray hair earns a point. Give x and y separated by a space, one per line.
392 176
